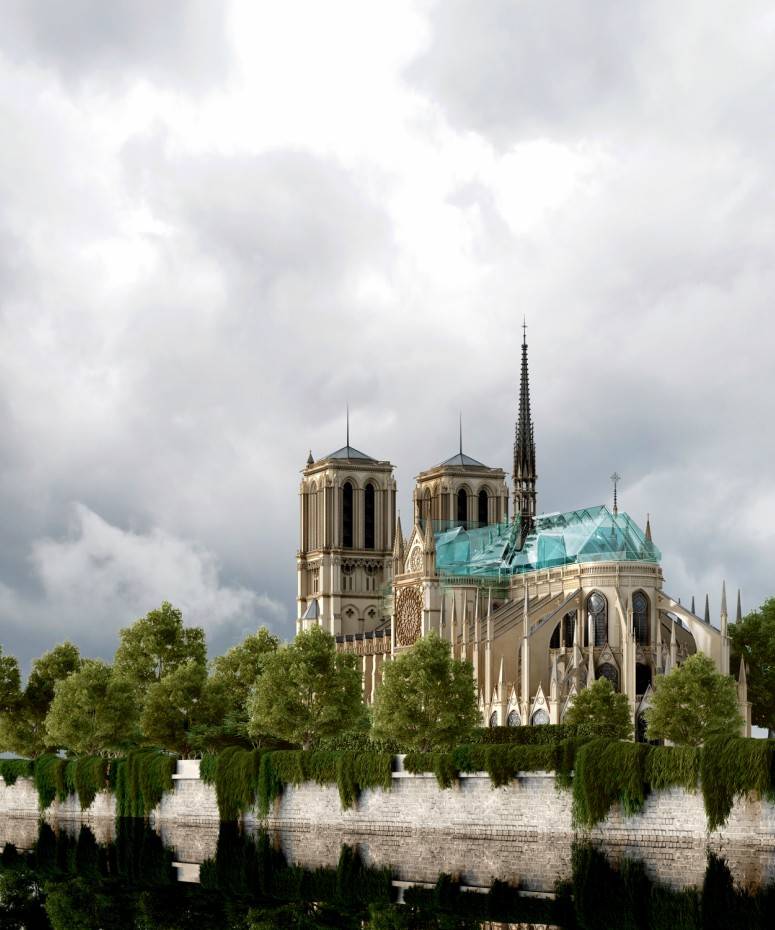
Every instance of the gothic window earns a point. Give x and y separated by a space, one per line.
597 606
540 718
462 506
554 642
570 625
368 517
640 617
348 576
493 719
482 508
642 677
606 670
513 719
347 516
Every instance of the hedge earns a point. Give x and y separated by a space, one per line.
550 734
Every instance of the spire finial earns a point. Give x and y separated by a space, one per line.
616 478
524 331
461 433
348 425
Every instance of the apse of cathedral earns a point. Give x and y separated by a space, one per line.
540 604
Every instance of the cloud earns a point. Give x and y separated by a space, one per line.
99 578
179 43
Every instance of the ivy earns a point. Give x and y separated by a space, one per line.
140 781
673 767
49 778
608 771
732 767
13 769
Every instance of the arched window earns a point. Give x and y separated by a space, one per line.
554 642
513 719
642 678
482 508
347 515
570 626
462 506
494 719
540 718
606 670
640 617
368 517
597 606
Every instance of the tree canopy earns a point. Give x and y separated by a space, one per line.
307 691
23 728
427 699
753 638
10 682
158 644
93 709
692 703
239 668
601 711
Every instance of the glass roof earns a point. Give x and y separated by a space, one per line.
591 535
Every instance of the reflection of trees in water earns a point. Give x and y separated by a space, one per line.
70 882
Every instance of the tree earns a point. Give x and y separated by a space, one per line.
183 700
427 699
158 644
693 703
239 668
307 691
23 730
93 709
601 711
753 638
10 682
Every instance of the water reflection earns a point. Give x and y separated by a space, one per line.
72 877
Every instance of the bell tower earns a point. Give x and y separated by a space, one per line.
347 527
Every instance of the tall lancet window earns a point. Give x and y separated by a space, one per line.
347 515
368 517
482 508
640 617
462 506
597 606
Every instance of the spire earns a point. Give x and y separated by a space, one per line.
648 527
616 478
398 544
693 611
739 611
347 444
723 599
707 610
461 434
742 678
310 460
524 473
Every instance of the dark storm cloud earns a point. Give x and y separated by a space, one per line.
178 42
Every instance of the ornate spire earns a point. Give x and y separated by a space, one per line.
524 474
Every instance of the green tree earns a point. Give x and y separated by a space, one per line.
693 703
182 701
753 639
240 668
23 730
10 683
93 709
307 691
427 699
601 711
158 644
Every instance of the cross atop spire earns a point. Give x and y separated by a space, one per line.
524 473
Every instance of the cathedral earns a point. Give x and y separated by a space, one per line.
540 604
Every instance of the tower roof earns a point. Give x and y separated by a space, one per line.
347 452
460 458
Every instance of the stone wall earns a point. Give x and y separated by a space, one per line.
522 831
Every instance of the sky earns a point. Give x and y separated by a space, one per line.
222 222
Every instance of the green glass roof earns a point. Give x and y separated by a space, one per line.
591 535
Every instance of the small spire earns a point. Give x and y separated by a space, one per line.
707 610
739 611
348 426
616 478
461 434
693 610
742 677
310 460
428 536
648 527
723 598
398 542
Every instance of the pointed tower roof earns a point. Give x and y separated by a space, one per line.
524 444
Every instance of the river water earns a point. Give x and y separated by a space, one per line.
127 876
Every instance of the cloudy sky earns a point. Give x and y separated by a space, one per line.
219 222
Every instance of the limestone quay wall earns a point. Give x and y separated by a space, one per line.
531 806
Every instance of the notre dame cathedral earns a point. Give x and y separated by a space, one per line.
539 604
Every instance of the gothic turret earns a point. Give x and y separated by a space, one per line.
524 474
